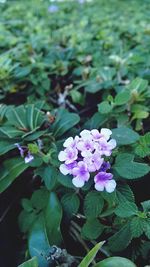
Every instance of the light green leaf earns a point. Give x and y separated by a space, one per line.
127 168
138 85
115 262
122 97
104 107
143 147
91 255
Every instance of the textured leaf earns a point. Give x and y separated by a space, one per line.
96 121
126 191
146 205
124 136
91 255
129 169
147 228
120 240
143 147
70 203
138 84
122 97
92 229
137 226
125 208
93 204
49 175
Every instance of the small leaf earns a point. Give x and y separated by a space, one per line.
129 169
125 208
137 226
124 136
115 262
104 107
143 147
122 97
91 255
49 175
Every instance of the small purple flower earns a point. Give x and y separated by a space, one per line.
104 147
21 150
67 168
53 8
96 135
93 161
69 155
28 158
81 174
70 142
85 145
103 180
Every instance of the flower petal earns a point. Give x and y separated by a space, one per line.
110 185
63 169
62 156
112 143
106 133
77 182
99 186
68 142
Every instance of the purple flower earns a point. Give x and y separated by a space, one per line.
85 145
70 142
104 147
69 155
93 161
96 135
21 150
67 168
105 166
28 158
53 8
81 174
103 180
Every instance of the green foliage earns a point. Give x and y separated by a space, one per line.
124 136
93 204
142 149
30 263
127 168
92 229
70 203
115 262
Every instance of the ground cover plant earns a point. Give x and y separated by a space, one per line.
74 133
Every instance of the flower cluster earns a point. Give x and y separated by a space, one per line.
87 154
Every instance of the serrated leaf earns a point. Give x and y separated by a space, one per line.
49 175
143 147
92 229
125 208
124 136
91 255
70 203
93 204
126 191
147 228
120 240
127 168
146 205
137 226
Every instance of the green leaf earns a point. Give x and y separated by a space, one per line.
53 216
146 205
127 168
11 169
34 117
30 263
93 204
49 175
143 147
138 85
38 242
17 117
26 220
126 191
122 97
91 255
137 225
125 208
65 180
70 203
147 228
39 199
77 97
64 121
9 132
92 229
6 145
120 240
104 107
96 121
124 136
115 262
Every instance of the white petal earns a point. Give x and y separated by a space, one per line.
68 142
110 186
80 146
63 169
86 134
106 132
99 186
62 156
112 143
77 182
